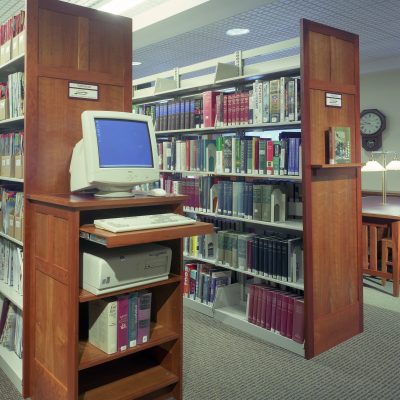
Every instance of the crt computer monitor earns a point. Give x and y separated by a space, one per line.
117 151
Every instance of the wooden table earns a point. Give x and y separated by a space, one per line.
374 210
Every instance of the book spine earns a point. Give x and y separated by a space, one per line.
298 321
143 324
132 319
122 324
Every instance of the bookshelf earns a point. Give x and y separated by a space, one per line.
57 224
331 193
150 369
10 363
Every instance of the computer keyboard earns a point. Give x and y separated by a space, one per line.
141 222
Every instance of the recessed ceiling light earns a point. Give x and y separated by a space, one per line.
237 31
136 63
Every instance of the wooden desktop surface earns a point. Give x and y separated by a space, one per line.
372 206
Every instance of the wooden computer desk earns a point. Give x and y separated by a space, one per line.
373 210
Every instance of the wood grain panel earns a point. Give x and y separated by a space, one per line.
83 43
58 39
51 327
320 56
58 132
42 243
332 196
335 278
325 117
342 61
52 389
61 247
105 45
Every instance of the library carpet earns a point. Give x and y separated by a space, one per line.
221 363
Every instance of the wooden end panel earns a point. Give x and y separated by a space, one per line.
332 196
334 329
53 257
58 39
335 236
58 132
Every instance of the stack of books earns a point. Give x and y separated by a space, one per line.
118 323
10 326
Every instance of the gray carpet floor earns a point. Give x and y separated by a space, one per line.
221 363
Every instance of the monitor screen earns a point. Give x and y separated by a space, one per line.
123 143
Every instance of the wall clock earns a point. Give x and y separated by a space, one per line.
372 124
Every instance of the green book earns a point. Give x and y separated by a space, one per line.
262 165
340 145
238 151
266 202
276 161
257 202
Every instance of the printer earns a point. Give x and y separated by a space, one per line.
107 270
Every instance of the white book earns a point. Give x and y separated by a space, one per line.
103 324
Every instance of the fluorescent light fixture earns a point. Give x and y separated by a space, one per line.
372 166
119 6
394 165
237 31
136 63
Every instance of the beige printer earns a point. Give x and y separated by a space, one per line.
106 270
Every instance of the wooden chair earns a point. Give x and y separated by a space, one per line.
377 242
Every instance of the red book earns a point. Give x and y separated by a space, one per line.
256 160
298 321
186 280
229 118
225 119
259 305
273 311
278 311
269 157
264 294
255 304
122 322
284 315
289 325
209 108
250 303
268 309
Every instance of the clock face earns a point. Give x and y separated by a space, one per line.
370 123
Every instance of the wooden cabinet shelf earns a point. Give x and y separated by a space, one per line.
110 239
85 296
131 380
332 166
90 355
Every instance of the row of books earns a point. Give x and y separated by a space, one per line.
11 143
119 323
12 27
12 95
272 101
227 154
12 212
253 201
201 281
10 326
11 265
12 40
276 310
272 255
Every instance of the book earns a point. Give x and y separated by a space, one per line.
132 319
144 313
339 138
103 324
122 322
298 321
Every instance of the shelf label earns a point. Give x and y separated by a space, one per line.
83 91
333 100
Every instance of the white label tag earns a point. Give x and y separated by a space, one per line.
333 100
83 91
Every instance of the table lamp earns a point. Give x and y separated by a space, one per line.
374 166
